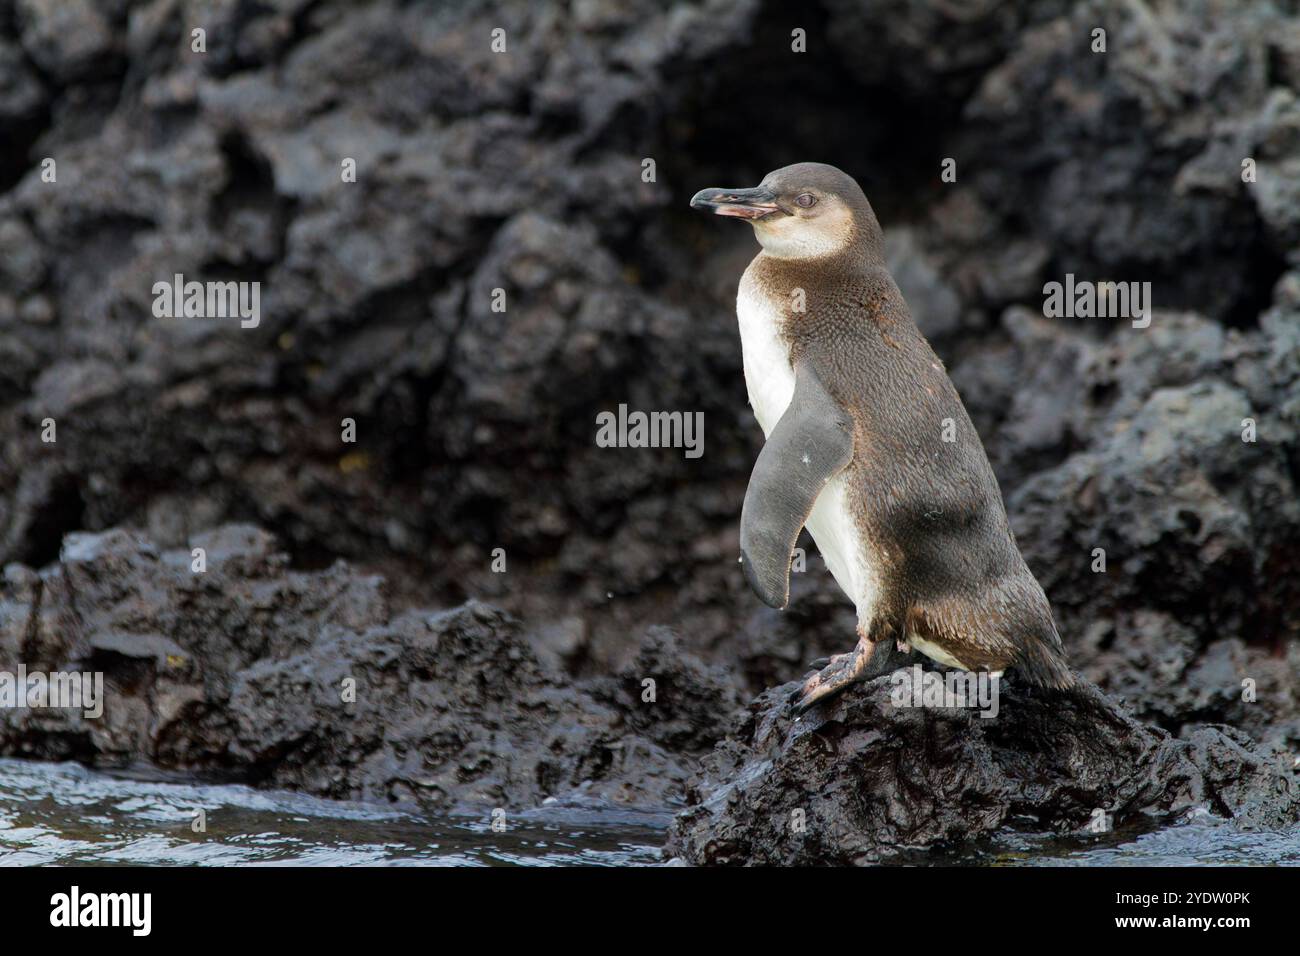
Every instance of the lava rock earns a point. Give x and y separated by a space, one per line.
862 780
475 429
308 680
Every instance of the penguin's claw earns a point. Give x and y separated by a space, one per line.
841 671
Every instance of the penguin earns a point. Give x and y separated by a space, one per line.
869 446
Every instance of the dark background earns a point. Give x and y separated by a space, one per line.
523 171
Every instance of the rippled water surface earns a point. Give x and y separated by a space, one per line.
64 813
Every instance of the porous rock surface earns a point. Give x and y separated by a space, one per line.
523 172
309 680
861 780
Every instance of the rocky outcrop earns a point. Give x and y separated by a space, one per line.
864 779
309 680
523 172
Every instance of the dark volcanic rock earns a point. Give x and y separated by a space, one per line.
245 669
862 779
523 172
1140 176
1199 528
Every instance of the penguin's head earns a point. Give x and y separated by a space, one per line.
807 210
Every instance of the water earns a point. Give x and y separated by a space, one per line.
1199 841
66 814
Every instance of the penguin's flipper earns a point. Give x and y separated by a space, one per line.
810 445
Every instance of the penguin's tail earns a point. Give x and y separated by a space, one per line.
1044 664
1039 654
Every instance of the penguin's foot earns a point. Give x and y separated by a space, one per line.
838 673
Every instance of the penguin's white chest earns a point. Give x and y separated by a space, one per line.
770 381
768 374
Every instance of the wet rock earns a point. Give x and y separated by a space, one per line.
861 780
1175 528
1167 675
695 706
523 172
310 681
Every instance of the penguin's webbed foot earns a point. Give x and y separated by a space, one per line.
839 672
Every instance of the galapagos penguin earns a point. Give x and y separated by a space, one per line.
869 446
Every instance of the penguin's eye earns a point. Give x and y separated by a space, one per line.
805 200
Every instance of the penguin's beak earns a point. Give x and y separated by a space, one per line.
742 203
